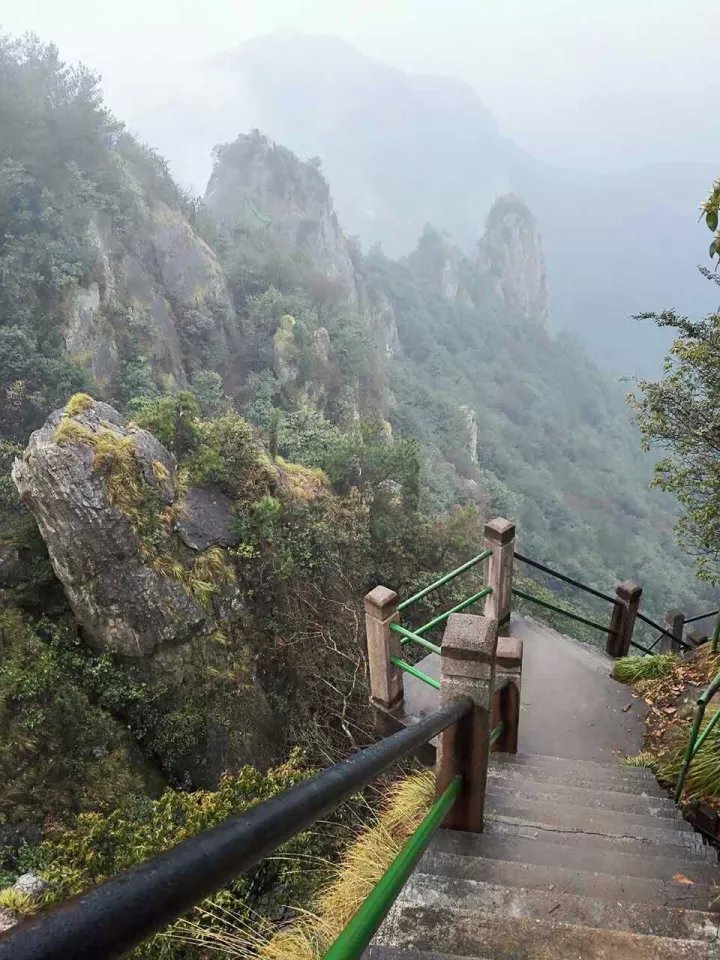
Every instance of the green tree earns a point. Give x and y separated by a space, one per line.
680 414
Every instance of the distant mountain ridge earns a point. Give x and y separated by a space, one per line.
400 151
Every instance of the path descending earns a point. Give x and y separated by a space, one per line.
581 858
570 706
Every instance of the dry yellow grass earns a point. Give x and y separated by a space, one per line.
311 932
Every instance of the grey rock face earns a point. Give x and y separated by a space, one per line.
30 885
206 520
120 601
265 185
510 255
156 279
472 432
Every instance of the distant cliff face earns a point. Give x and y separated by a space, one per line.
268 204
258 183
510 256
159 287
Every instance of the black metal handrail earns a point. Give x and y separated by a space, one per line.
566 579
118 915
663 631
702 616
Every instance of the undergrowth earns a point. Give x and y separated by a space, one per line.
226 928
669 686
631 669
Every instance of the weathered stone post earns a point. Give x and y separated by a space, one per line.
500 538
467 669
623 618
386 680
674 623
508 671
697 637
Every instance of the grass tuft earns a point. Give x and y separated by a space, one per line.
16 902
632 669
310 933
643 759
77 403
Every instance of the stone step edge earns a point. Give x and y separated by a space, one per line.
547 762
542 846
656 807
646 848
606 905
540 775
654 887
531 933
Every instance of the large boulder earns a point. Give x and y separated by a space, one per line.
90 516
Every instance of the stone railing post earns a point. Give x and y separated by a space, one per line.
623 618
674 622
500 538
467 669
386 680
696 637
508 667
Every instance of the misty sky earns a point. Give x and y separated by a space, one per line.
605 85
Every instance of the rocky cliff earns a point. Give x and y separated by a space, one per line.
270 207
160 288
88 477
258 183
510 256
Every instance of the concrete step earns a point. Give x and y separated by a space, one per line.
469 933
531 791
563 905
553 853
544 775
607 886
577 769
692 847
588 820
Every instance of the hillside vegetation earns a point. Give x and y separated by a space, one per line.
356 419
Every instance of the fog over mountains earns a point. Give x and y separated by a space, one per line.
401 151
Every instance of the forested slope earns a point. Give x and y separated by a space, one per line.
337 420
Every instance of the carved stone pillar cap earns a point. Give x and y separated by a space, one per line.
380 602
469 637
509 652
628 590
499 530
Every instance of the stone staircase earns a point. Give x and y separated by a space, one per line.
578 859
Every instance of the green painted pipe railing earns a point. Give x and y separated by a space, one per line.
715 637
696 739
496 733
365 921
414 672
443 580
456 609
567 613
409 637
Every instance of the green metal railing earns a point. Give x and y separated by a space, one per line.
697 739
568 613
415 636
409 637
496 733
414 672
446 579
364 923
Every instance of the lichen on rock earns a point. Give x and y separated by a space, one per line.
100 490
